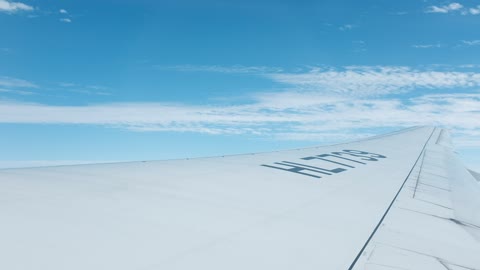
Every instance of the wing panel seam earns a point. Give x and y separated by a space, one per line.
390 206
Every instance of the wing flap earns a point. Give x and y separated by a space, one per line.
432 224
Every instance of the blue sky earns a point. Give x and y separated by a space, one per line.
96 81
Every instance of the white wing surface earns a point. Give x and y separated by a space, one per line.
398 201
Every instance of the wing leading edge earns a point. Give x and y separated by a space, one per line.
332 207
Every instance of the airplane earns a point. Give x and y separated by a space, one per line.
396 201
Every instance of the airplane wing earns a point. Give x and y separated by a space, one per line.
397 201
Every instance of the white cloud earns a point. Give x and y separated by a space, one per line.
444 9
85 89
89 92
471 42
359 46
354 80
461 43
66 20
66 84
13 7
288 116
19 92
368 80
454 7
318 101
17 83
63 11
475 11
16 86
427 46
346 27
221 69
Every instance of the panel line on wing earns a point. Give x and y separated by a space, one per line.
390 206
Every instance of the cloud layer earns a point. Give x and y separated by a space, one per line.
380 80
320 104
283 116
